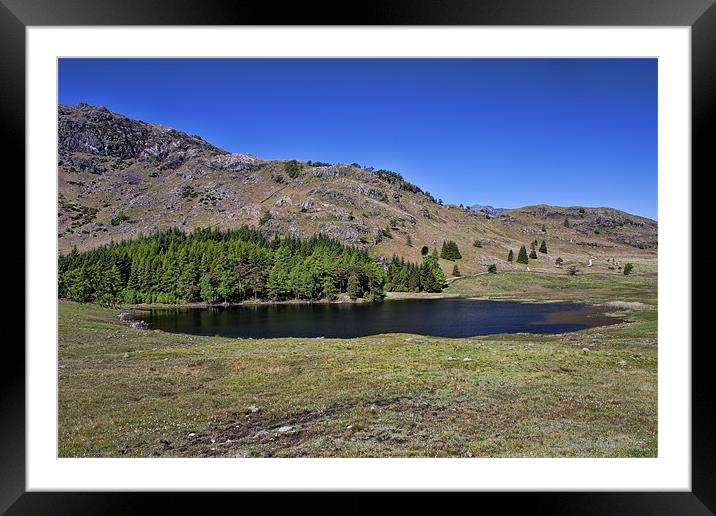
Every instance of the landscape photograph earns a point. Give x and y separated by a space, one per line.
357 258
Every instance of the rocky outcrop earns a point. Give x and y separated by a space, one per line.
328 171
234 162
352 233
96 130
331 193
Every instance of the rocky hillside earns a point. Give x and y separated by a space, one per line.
120 177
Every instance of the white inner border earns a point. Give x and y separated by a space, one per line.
671 470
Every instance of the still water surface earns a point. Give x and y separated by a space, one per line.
434 317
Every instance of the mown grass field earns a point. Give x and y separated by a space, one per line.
141 393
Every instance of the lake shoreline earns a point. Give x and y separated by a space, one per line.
403 296
390 296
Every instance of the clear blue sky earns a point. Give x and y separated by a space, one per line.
506 132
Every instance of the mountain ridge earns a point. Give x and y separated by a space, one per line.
119 177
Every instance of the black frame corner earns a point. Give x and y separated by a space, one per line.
700 15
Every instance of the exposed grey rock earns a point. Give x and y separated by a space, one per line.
328 171
487 209
98 131
283 201
377 235
329 193
346 232
195 169
296 232
309 205
234 162
173 160
371 193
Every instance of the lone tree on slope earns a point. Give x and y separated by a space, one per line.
522 255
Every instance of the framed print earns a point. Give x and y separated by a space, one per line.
419 250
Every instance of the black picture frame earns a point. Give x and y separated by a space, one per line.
700 15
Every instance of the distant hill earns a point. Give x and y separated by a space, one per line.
489 210
120 177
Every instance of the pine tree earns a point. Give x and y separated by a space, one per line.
408 241
257 281
455 271
566 222
328 287
188 283
522 255
510 256
354 287
533 254
543 247
492 269
208 287
114 285
450 251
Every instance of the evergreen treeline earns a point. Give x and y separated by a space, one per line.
404 276
221 266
